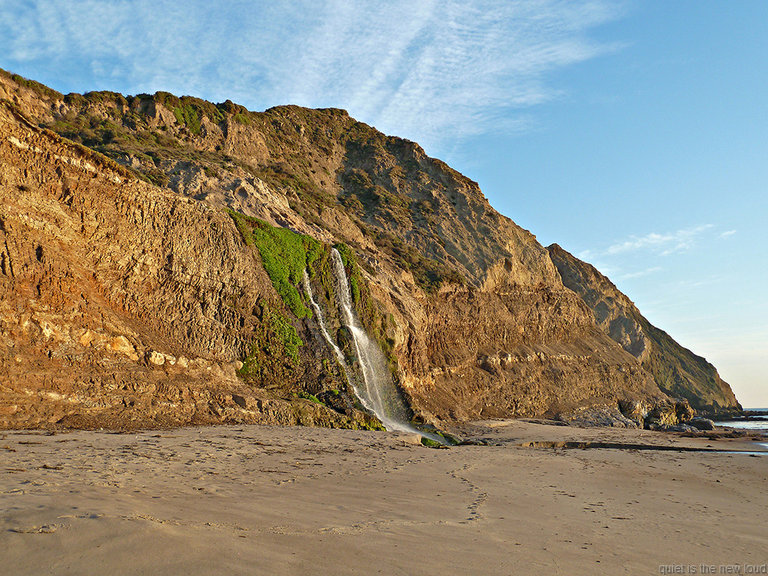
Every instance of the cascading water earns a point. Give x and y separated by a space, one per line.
375 390
324 331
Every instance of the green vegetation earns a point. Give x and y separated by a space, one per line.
310 397
310 153
373 425
120 132
190 110
283 176
450 440
360 189
187 115
429 443
275 349
284 254
428 273
241 118
40 89
118 127
383 201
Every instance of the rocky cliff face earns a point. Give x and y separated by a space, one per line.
676 370
130 294
122 305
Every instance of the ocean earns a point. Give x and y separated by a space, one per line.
758 421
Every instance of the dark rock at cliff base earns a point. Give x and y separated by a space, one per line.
669 413
702 423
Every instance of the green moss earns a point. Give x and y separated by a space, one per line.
275 348
450 440
371 425
242 118
429 443
284 254
310 397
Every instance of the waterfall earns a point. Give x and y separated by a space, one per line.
375 389
324 331
378 392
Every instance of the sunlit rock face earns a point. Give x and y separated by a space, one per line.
676 370
131 296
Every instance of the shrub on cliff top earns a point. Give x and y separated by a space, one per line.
187 115
40 89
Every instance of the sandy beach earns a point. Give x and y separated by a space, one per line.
271 500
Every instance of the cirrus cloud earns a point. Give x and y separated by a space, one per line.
430 71
664 244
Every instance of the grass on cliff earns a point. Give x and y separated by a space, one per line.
284 254
190 111
123 128
385 209
275 349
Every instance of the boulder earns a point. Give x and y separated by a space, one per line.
683 410
635 410
662 415
601 416
155 357
702 423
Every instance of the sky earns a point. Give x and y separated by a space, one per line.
632 133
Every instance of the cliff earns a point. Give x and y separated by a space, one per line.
152 252
676 370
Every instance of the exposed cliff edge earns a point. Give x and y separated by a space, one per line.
151 273
676 370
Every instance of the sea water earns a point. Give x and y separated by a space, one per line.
757 423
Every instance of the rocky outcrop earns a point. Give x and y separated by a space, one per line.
676 370
130 295
522 352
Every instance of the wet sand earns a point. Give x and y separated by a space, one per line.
269 500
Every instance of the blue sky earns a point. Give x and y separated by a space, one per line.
634 134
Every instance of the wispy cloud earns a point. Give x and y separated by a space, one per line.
429 70
641 273
728 234
663 244
638 256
